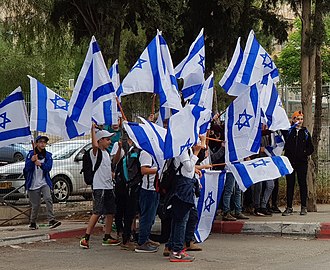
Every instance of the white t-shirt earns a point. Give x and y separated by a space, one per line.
38 179
188 168
148 179
103 175
115 149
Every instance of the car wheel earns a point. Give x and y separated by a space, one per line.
61 189
18 157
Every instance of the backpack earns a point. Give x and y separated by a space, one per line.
133 166
87 166
166 181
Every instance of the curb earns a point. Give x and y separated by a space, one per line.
23 239
313 230
73 233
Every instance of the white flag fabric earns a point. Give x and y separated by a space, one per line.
149 137
93 86
257 170
273 112
106 112
204 97
49 112
256 63
14 123
192 67
212 187
243 126
277 144
152 73
183 129
228 81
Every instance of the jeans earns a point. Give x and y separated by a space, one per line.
301 171
231 188
269 186
35 200
148 202
180 215
191 224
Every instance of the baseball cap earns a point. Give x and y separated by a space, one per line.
103 134
41 137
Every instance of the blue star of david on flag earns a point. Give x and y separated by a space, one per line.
139 63
246 122
5 120
208 202
267 62
59 103
187 145
258 163
201 61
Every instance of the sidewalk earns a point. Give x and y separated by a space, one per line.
313 225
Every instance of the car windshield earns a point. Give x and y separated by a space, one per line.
63 150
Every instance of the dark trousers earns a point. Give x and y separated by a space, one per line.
191 225
301 171
275 193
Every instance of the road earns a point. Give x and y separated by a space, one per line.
219 252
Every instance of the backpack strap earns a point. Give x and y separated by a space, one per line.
98 160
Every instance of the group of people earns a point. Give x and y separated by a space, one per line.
122 193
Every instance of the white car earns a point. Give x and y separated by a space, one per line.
65 174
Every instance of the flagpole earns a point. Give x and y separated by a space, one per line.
121 109
213 139
218 164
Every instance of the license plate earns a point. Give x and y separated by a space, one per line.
5 185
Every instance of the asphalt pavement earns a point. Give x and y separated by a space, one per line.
313 225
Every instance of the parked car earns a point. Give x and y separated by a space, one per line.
65 174
14 152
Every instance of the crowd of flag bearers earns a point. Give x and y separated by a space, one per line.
210 159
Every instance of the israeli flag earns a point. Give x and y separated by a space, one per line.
228 81
257 170
14 123
149 137
256 63
204 97
93 87
274 115
183 129
243 126
192 67
49 112
212 183
152 73
277 144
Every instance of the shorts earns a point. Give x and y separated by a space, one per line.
104 202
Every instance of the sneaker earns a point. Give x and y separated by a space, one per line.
228 217
257 212
275 210
153 243
54 223
166 252
192 247
181 257
265 212
33 226
110 242
146 248
241 216
130 246
84 243
288 211
303 211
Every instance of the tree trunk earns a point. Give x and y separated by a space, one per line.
307 85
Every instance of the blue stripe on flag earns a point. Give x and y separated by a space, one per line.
196 112
243 173
96 47
160 140
14 133
230 80
271 106
221 184
280 165
231 145
107 112
15 97
200 205
71 128
197 97
168 148
249 65
101 91
187 92
42 107
197 47
84 92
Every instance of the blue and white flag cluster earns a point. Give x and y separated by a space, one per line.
14 123
192 68
243 126
204 96
92 88
253 171
277 144
212 183
153 73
